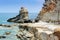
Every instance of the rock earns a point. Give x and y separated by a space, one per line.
57 32
36 34
0 24
24 21
7 33
2 37
50 12
22 17
40 31
36 20
18 36
4 25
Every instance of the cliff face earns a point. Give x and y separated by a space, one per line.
50 11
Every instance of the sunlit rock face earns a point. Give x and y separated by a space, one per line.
23 13
21 17
43 32
50 11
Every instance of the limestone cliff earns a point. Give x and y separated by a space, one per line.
50 11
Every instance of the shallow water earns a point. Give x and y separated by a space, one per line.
12 35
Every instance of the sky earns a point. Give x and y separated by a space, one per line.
13 6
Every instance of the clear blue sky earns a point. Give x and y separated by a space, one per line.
7 6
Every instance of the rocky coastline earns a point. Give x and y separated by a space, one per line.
36 31
42 28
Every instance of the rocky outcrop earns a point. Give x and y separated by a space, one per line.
22 17
39 31
57 32
50 12
4 25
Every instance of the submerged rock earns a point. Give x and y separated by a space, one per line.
4 25
22 17
0 24
7 33
2 37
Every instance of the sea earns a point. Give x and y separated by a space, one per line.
3 20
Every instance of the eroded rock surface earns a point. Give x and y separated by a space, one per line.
41 32
50 12
34 31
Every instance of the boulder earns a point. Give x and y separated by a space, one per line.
57 32
1 37
7 33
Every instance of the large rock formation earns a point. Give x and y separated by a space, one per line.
21 18
39 31
50 12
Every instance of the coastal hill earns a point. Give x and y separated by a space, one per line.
50 12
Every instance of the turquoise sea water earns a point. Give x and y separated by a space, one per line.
13 30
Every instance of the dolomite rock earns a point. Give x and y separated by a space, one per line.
24 34
40 34
41 31
50 12
57 32
22 17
